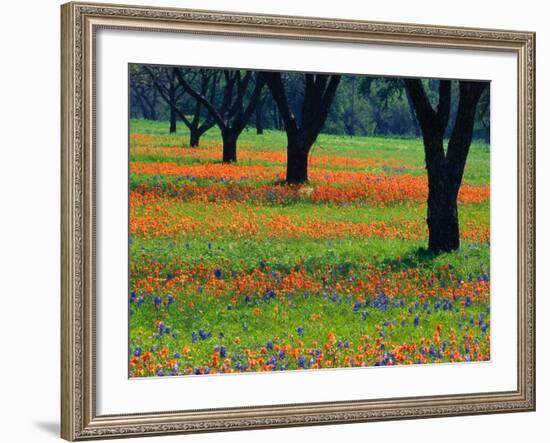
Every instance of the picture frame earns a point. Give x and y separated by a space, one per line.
79 342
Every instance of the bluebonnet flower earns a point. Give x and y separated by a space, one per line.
160 373
206 370
132 297
177 355
137 352
161 327
229 307
222 351
247 299
468 301
167 330
222 335
209 245
131 311
364 314
245 327
204 335
301 361
357 305
416 320
174 334
170 299
218 273
281 355
269 345
381 301
194 337
300 331
346 344
158 301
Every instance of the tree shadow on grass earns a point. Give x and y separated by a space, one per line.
415 258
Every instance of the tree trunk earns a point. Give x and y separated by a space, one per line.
259 118
416 128
297 160
194 137
442 216
173 119
442 221
229 146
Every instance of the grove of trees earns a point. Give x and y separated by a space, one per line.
447 114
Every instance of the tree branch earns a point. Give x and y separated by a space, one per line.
199 97
275 85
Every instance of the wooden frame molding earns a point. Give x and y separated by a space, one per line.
80 21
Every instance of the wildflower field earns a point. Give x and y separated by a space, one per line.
231 270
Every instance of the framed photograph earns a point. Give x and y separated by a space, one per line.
282 221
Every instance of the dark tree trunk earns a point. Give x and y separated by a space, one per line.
416 128
194 137
231 116
297 159
442 216
319 93
259 118
173 120
445 170
152 102
229 138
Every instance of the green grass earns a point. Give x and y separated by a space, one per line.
410 151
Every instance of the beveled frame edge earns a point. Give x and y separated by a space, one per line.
78 418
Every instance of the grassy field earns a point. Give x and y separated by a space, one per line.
233 271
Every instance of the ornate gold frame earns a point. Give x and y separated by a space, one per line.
79 21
